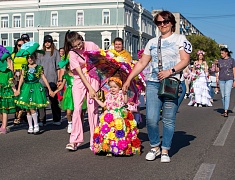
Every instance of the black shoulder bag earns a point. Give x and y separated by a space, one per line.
169 87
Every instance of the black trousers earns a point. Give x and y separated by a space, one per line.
56 111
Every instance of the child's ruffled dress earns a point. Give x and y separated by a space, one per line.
32 93
7 104
117 130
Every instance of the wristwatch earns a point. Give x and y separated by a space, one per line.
173 71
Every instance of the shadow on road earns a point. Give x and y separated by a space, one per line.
180 140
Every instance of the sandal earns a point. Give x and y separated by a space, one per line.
225 114
17 121
72 146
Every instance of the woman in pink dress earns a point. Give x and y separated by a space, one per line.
84 85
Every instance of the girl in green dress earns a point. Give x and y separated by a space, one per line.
67 101
32 93
7 104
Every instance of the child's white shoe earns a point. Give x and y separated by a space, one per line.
30 130
69 130
36 129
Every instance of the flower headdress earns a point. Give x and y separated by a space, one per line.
28 49
200 52
117 80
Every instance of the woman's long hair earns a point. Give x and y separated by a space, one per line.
15 50
70 37
52 48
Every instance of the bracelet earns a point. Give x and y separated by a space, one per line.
59 81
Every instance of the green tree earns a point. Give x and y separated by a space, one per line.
208 45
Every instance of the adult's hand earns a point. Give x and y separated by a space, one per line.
163 74
92 93
125 87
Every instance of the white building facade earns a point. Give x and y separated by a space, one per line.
99 21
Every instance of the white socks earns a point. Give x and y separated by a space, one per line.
30 120
35 119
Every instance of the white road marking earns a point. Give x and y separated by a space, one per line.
205 172
221 138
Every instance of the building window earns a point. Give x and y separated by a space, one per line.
106 17
4 39
4 22
128 17
54 18
15 36
106 39
80 18
106 44
55 37
16 21
29 20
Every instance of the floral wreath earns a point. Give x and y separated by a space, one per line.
117 80
200 52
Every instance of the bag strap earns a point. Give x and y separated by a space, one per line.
78 54
159 54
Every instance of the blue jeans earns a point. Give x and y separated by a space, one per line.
182 93
225 90
154 104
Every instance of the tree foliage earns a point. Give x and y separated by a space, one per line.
208 45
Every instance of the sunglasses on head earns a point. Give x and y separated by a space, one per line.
19 45
164 22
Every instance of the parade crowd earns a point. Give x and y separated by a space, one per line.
31 79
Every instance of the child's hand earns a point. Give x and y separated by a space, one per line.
51 93
16 93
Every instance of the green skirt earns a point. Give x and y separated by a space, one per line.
32 96
67 101
7 100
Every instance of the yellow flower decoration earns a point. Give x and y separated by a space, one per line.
106 141
97 129
118 126
111 135
102 52
111 124
102 119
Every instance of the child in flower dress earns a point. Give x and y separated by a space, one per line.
32 93
117 130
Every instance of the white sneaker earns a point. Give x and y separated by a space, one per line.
30 130
152 154
195 105
200 105
36 130
165 158
69 130
57 123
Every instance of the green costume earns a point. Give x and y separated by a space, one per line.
7 104
32 93
67 102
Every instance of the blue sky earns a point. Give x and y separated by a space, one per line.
214 18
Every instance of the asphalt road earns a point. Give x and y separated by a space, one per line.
203 148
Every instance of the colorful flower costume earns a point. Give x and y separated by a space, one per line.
117 131
32 93
7 104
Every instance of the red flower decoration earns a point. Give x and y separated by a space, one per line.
130 116
95 135
127 123
136 143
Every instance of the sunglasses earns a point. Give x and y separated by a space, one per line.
164 22
19 45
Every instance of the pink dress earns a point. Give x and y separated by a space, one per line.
79 91
117 131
